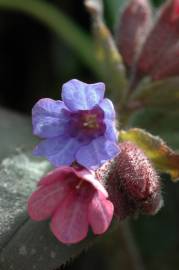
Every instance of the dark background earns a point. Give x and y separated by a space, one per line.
33 62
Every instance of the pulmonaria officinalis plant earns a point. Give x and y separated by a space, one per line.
80 131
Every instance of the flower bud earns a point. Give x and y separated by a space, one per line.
153 204
168 65
108 176
162 37
132 182
132 29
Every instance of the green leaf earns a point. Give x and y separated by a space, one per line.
164 94
113 8
65 28
163 157
160 122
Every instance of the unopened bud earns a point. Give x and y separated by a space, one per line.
162 37
132 182
132 29
153 204
168 65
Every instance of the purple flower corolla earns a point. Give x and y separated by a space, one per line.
79 128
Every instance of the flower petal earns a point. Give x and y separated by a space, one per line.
63 171
44 201
90 177
111 131
100 213
55 175
96 153
78 95
49 118
59 151
70 222
107 106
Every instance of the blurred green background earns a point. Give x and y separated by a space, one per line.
35 60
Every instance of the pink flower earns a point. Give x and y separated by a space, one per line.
149 47
161 44
73 199
133 28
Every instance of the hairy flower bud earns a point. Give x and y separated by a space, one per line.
168 64
132 29
153 204
132 182
159 43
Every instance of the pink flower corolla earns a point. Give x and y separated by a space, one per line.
74 200
161 47
79 128
158 56
132 29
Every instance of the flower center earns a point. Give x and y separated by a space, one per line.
90 121
84 190
87 124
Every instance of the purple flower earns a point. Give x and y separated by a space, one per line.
80 128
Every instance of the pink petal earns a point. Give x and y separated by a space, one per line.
55 175
70 222
100 213
89 176
45 200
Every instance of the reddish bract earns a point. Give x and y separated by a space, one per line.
133 26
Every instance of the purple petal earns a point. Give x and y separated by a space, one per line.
59 151
49 118
107 106
96 153
111 131
82 96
